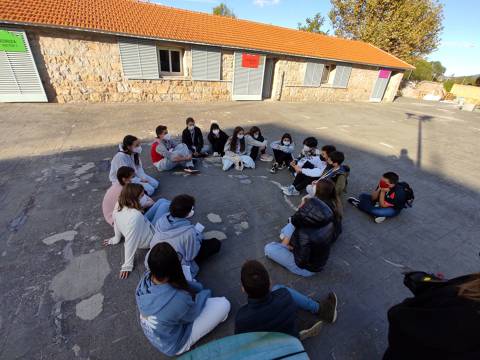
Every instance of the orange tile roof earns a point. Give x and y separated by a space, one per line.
131 17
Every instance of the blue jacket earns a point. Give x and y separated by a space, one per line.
167 314
182 235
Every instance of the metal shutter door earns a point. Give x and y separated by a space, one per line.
206 63
380 87
342 75
247 82
19 79
313 74
139 58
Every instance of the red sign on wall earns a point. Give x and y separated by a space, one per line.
384 74
250 60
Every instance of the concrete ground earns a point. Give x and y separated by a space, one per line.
60 293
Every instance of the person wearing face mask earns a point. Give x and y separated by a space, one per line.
129 222
129 155
167 155
217 139
236 152
256 144
387 200
176 228
334 171
307 168
192 137
282 152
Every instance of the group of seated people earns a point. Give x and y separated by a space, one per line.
175 309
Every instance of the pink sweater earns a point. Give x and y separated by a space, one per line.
111 198
109 201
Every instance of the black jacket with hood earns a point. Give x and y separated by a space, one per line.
315 231
197 140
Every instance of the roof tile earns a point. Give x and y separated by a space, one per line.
136 18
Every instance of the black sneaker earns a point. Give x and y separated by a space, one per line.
328 308
274 168
282 166
191 170
353 201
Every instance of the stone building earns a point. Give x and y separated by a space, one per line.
131 51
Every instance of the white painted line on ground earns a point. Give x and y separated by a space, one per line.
386 145
321 128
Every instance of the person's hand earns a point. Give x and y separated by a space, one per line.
297 169
106 242
124 274
188 157
196 154
293 163
143 180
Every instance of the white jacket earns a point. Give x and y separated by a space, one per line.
277 145
136 229
122 159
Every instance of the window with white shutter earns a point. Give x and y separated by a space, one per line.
19 79
313 74
342 75
139 58
206 63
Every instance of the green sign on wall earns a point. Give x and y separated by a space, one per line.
11 42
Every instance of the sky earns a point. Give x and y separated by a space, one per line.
459 50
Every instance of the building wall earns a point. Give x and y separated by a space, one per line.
82 67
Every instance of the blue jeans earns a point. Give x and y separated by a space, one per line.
302 301
280 253
157 210
288 230
368 205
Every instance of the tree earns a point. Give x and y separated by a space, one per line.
313 24
438 69
428 70
408 29
223 10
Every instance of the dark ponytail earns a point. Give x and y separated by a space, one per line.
128 141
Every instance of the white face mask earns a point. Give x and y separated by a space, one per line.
216 131
167 137
286 143
256 136
306 148
240 136
137 149
190 214
191 127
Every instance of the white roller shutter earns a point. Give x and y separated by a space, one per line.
139 58
19 79
342 75
247 82
206 63
313 74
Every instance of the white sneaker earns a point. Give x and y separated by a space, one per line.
380 219
291 191
216 154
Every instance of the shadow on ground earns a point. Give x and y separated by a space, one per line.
43 285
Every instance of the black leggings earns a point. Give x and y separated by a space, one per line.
208 248
255 150
301 180
282 158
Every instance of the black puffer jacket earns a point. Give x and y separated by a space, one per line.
315 231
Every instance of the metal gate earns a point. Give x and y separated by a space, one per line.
267 82
248 80
380 85
19 79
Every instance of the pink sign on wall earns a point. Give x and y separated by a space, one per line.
384 74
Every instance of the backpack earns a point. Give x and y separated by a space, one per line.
409 195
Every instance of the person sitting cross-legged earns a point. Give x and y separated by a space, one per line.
192 137
167 155
386 201
274 309
236 152
282 152
306 169
175 313
307 238
217 138
187 239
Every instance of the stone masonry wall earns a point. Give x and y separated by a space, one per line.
360 84
81 67
78 67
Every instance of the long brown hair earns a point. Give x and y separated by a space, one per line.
128 141
471 289
233 142
325 191
130 197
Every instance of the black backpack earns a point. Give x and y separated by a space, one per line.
409 195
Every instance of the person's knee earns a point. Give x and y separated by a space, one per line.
269 248
277 286
223 306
